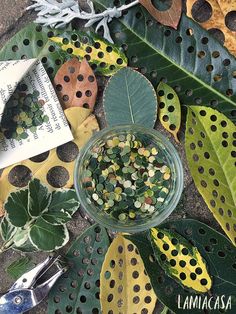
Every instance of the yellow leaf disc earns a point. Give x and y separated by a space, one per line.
125 286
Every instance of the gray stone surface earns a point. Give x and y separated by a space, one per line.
13 18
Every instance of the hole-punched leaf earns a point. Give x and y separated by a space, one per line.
210 144
130 98
125 286
83 126
169 17
169 109
35 41
217 251
180 58
76 84
104 57
77 291
219 18
180 259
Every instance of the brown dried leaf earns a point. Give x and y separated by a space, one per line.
218 16
83 126
169 17
76 84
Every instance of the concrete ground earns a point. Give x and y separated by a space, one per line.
12 18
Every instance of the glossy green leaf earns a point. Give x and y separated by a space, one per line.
210 144
19 267
103 56
130 98
169 109
16 208
189 59
174 253
218 253
47 237
57 218
38 198
78 290
64 199
44 43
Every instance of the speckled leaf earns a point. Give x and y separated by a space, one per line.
169 109
217 251
47 237
125 286
78 290
83 126
219 16
188 59
180 259
130 98
103 56
210 142
76 84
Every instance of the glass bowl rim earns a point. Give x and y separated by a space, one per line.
104 221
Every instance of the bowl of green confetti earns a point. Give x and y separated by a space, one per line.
128 178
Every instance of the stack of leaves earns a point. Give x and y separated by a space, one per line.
35 219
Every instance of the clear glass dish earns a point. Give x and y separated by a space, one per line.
172 199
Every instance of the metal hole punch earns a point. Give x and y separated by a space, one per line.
32 287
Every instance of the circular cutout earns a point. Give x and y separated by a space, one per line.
201 11
19 176
230 20
40 157
218 34
68 152
58 176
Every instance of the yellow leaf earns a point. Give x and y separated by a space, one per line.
217 13
125 286
83 125
169 109
180 260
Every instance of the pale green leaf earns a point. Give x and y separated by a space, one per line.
130 98
210 148
47 237
16 207
169 109
39 198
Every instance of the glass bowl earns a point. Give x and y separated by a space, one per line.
171 156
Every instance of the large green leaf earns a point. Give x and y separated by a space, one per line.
189 59
44 43
38 198
64 199
16 207
130 98
210 149
215 248
7 230
78 290
47 237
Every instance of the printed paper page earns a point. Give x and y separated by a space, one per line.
32 121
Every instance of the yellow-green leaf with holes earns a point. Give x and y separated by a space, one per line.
125 286
180 260
210 144
103 56
169 109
